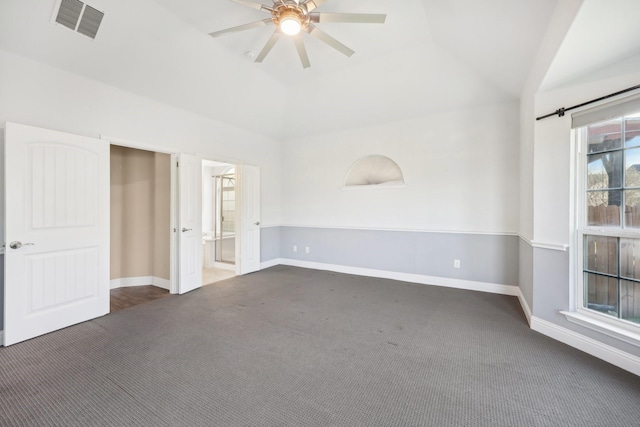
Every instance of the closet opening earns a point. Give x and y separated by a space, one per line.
219 221
140 238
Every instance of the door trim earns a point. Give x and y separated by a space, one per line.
173 251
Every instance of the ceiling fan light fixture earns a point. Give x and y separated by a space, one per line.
290 22
290 26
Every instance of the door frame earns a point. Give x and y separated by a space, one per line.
173 242
174 153
236 255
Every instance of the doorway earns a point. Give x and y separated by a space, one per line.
140 236
219 221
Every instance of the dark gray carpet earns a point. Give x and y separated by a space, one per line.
295 347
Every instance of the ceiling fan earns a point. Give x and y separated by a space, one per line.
291 17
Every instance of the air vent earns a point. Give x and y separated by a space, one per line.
79 17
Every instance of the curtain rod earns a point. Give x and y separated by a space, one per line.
560 111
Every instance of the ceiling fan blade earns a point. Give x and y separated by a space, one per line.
267 48
313 4
254 5
321 35
356 18
241 27
302 52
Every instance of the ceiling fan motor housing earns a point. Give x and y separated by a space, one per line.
290 9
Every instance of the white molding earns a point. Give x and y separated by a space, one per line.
493 288
121 142
562 247
616 357
140 281
525 306
526 240
270 263
161 283
411 230
603 327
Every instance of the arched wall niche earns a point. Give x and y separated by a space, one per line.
374 171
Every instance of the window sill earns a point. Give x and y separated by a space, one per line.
613 331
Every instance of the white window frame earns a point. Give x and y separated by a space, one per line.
621 329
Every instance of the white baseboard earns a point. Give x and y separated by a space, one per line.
270 263
140 281
493 288
616 357
161 283
525 306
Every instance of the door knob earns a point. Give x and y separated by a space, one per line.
17 244
257 222
184 229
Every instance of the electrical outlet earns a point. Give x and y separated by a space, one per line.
295 248
306 249
456 263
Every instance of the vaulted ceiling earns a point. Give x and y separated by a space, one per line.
429 56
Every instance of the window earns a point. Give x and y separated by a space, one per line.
609 213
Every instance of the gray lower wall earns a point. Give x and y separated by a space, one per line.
483 258
269 243
1 292
525 271
552 284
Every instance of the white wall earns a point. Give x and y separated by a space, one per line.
39 95
460 169
553 153
560 23
553 204
208 195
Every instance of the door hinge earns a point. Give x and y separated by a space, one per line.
177 164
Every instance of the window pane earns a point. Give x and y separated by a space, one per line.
632 168
603 207
601 254
601 294
632 131
604 136
630 301
632 209
605 170
630 258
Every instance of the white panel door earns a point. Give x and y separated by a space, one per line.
249 251
190 223
57 230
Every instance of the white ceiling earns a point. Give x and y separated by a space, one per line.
603 33
430 56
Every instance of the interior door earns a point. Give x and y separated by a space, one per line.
190 223
248 181
57 230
